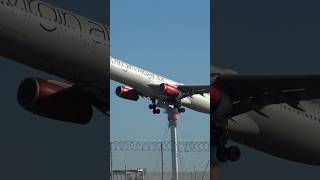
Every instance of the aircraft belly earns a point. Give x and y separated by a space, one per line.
198 103
284 134
242 126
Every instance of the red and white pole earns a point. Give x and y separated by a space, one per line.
173 116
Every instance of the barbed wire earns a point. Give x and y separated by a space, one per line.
156 146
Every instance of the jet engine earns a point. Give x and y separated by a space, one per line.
170 90
221 103
127 93
53 99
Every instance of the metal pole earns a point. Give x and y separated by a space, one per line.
173 128
195 173
173 116
125 171
161 161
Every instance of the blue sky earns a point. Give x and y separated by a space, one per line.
169 38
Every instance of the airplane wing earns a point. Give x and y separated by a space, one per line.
190 90
254 92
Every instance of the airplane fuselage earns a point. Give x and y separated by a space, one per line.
142 80
56 41
282 131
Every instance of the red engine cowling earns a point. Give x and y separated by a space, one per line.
127 93
49 98
170 90
221 104
215 97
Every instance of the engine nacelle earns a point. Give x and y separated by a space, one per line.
170 90
50 99
215 97
221 103
127 93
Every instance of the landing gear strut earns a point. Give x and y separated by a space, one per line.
153 106
220 140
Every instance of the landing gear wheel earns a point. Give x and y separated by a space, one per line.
153 106
220 139
181 110
234 153
156 111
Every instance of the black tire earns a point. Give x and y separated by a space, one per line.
158 111
154 111
221 154
234 153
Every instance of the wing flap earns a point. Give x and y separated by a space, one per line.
254 92
302 87
190 90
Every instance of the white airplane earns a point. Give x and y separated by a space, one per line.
272 114
61 43
161 91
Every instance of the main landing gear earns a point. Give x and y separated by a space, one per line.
220 139
155 110
181 110
153 106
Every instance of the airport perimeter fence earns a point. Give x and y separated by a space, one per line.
198 175
155 158
156 146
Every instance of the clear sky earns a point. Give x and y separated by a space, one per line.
169 38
